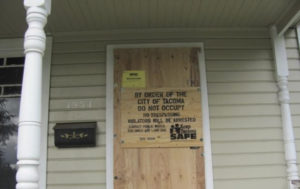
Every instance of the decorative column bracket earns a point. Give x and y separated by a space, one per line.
30 109
284 100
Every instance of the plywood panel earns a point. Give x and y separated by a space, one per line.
157 168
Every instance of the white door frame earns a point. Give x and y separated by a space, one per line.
110 107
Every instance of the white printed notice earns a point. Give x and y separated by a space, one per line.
165 117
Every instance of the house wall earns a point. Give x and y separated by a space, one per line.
292 48
245 121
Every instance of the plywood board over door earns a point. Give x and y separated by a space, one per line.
156 168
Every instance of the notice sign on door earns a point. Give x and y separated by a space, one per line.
161 118
133 79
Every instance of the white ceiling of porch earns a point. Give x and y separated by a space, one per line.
82 15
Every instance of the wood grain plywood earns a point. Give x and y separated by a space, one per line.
159 168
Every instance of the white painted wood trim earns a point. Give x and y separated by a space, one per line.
45 112
298 35
13 48
110 118
281 62
209 184
109 108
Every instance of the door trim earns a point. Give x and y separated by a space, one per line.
110 108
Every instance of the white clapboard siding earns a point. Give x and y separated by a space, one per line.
243 110
80 177
77 165
76 186
294 83
294 64
77 80
78 58
77 115
240 65
277 183
246 122
249 172
245 87
225 147
77 92
66 104
242 99
249 159
224 135
245 119
78 69
76 153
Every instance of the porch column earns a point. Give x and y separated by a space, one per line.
30 109
284 99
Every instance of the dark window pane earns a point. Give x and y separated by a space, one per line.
1 61
11 75
15 61
9 108
12 90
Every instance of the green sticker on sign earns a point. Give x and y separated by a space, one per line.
134 79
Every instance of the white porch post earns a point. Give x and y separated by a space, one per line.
284 98
30 111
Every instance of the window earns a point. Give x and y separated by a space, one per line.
11 71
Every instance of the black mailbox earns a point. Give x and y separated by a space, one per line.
75 134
